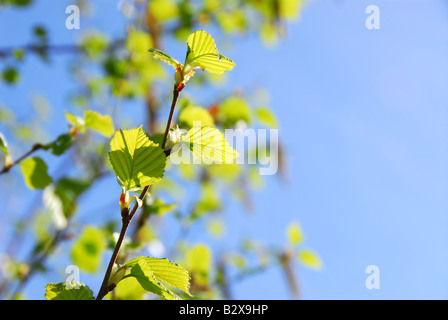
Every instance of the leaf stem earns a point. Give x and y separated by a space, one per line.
127 216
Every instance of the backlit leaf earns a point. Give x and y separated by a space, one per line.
154 274
310 259
34 171
209 144
88 250
202 53
136 160
160 55
101 123
295 234
68 291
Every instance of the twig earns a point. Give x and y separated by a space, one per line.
128 215
8 167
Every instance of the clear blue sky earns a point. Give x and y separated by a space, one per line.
364 117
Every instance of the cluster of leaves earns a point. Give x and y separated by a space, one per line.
126 71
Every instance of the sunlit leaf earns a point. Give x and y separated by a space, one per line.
68 291
191 114
202 53
76 121
294 234
154 274
309 259
136 160
209 200
232 110
94 43
160 55
159 207
101 123
34 171
199 263
163 10
266 117
88 250
128 289
209 144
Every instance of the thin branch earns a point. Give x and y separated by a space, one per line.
8 167
128 215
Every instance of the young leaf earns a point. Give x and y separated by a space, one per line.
60 145
136 160
88 249
294 233
209 144
310 259
145 277
202 53
191 113
160 55
76 121
165 271
68 291
266 117
101 123
199 262
158 207
209 201
34 171
153 274
232 110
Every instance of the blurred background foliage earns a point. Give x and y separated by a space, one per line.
108 75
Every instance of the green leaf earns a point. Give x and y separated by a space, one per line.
310 259
128 289
153 274
190 114
209 201
160 55
11 75
227 172
94 43
290 9
158 207
60 145
198 262
232 110
163 9
68 190
266 117
68 291
76 121
209 144
101 123
34 171
202 53
136 160
295 234
88 250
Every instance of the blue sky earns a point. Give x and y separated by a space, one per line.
364 119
